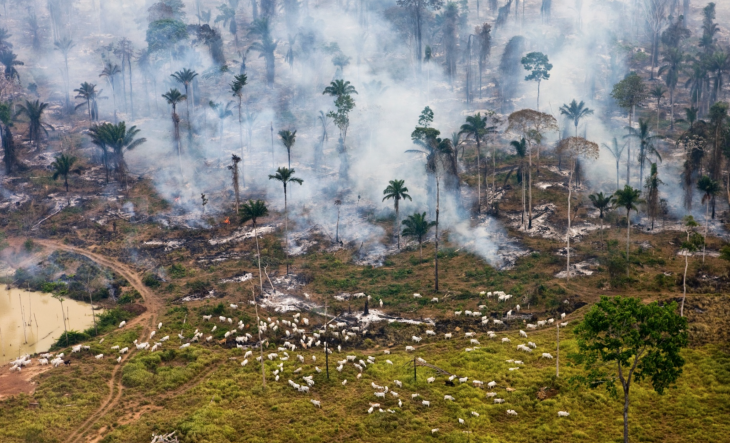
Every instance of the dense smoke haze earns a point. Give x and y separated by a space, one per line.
290 51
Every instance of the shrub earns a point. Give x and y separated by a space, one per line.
177 271
151 280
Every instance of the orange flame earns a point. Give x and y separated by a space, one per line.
226 221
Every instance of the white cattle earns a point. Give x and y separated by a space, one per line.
511 412
563 414
121 325
99 357
523 333
448 397
426 403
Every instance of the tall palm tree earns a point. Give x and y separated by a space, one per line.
696 82
718 64
397 191
338 88
710 188
616 151
186 77
239 81
476 128
34 111
602 203
646 144
111 71
575 111
674 59
287 139
286 176
252 211
5 39
627 198
417 226
62 167
657 92
88 93
173 97
265 46
521 151
10 61
228 17
64 46
117 139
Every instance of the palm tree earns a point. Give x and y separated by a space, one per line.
627 198
417 226
674 59
173 97
34 111
239 81
111 71
118 139
691 116
287 139
253 210
286 176
616 151
658 93
186 77
228 17
397 191
646 144
575 111
5 39
718 64
65 45
99 140
687 248
521 151
710 188
265 46
476 127
9 60
602 203
62 167
338 88
696 83
87 92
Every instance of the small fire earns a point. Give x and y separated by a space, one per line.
177 199
227 221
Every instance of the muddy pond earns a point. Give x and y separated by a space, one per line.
31 322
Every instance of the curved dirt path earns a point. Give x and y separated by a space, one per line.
146 319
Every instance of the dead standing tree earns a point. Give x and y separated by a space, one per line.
573 149
532 126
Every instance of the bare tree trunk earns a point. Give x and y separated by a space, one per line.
570 190
436 254
628 233
529 185
684 282
557 356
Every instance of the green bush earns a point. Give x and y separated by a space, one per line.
151 280
177 271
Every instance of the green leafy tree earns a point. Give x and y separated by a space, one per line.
630 93
397 191
34 110
62 167
646 144
288 138
341 118
602 203
689 246
538 65
575 111
710 188
286 176
623 339
417 226
163 35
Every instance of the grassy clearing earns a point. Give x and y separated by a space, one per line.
228 404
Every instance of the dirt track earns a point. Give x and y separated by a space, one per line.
148 320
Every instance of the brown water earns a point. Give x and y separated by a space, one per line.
31 322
